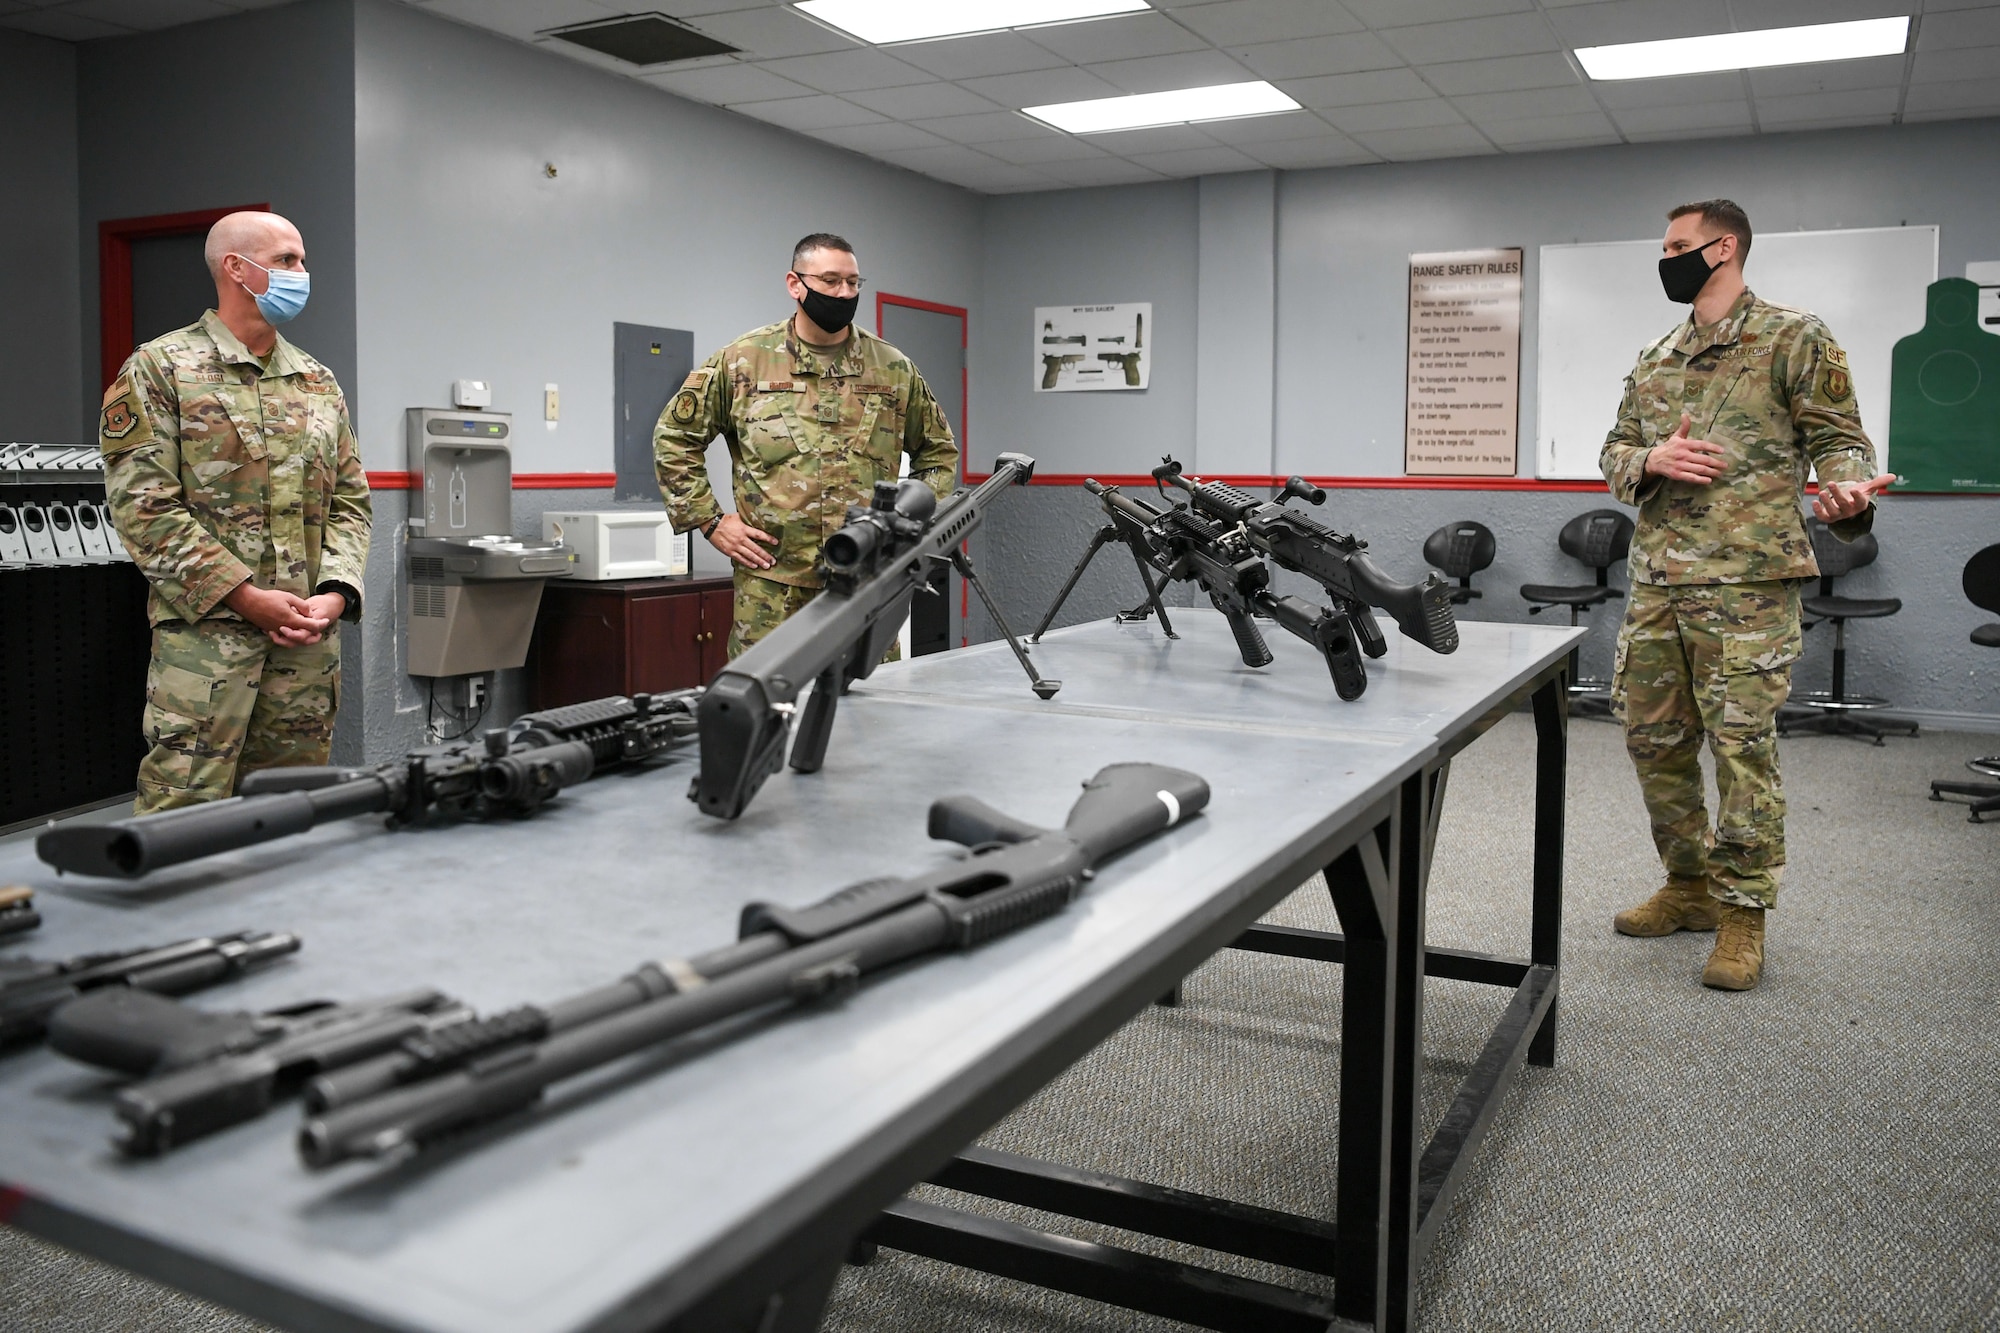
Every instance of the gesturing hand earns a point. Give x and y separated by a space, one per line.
1679 458
1844 499
738 540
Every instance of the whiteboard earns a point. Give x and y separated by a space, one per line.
1601 304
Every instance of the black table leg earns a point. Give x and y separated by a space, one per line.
1551 775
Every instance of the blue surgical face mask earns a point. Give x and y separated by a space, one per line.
286 294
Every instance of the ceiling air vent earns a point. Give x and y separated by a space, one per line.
642 39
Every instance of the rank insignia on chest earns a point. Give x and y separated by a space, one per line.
685 406
118 421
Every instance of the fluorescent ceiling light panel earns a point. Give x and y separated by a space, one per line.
1747 50
880 21
1228 101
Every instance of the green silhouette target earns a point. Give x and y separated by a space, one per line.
1944 397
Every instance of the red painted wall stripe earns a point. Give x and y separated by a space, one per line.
11 1199
1141 479
523 481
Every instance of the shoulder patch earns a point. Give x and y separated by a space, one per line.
118 421
685 407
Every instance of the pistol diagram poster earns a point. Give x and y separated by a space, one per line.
1084 348
1462 413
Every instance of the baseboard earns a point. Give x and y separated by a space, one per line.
1932 719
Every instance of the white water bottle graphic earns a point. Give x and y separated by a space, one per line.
457 498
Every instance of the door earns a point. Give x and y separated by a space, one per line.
170 284
718 612
650 366
163 251
933 337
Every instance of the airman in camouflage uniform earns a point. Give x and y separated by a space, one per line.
235 483
1719 423
811 428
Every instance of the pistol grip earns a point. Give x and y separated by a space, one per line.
1249 640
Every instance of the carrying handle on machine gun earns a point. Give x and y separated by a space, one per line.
1171 472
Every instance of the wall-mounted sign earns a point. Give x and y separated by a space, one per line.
1083 348
1462 413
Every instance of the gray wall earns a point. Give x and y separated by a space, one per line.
474 263
38 240
1342 238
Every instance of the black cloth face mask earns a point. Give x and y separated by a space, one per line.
832 313
1683 275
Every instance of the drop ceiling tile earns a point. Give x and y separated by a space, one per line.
1394 116
770 33
1690 119
1247 22
148 14
1428 141
1469 39
943 157
1400 13
1375 85
525 18
876 139
1583 127
922 101
1215 161
1964 95
724 84
1966 27
1813 108
810 113
1791 13
1685 90
1676 136
1251 130
1482 107
1315 56
1975 62
979 57
1042 87
989 127
1160 139
687 9
62 25
1333 150
1789 80
1101 171
1501 74
1048 148
1115 38
989 177
1156 74
846 71
1642 21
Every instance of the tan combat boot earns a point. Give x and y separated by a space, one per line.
1683 904
1739 949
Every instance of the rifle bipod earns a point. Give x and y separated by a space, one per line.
1151 606
961 560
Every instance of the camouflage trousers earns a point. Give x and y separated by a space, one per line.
1712 659
763 604
222 700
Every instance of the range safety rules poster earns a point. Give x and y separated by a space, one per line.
1083 348
1462 415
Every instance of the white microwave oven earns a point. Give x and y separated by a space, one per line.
619 543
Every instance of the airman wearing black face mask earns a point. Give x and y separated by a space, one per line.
815 411
1720 421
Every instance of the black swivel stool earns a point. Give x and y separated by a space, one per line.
1600 539
1835 712
1458 551
1982 589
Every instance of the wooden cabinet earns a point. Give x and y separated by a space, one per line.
628 636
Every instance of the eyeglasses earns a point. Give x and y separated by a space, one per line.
837 281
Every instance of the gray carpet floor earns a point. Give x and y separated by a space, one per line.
1820 1153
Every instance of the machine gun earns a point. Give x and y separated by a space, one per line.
201 1072
509 772
31 991
786 957
17 910
873 567
1224 555
1336 561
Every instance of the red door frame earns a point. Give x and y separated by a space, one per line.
114 272
964 386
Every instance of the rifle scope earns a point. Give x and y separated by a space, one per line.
900 509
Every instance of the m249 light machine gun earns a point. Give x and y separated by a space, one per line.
1017 874
1219 542
873 567
510 772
